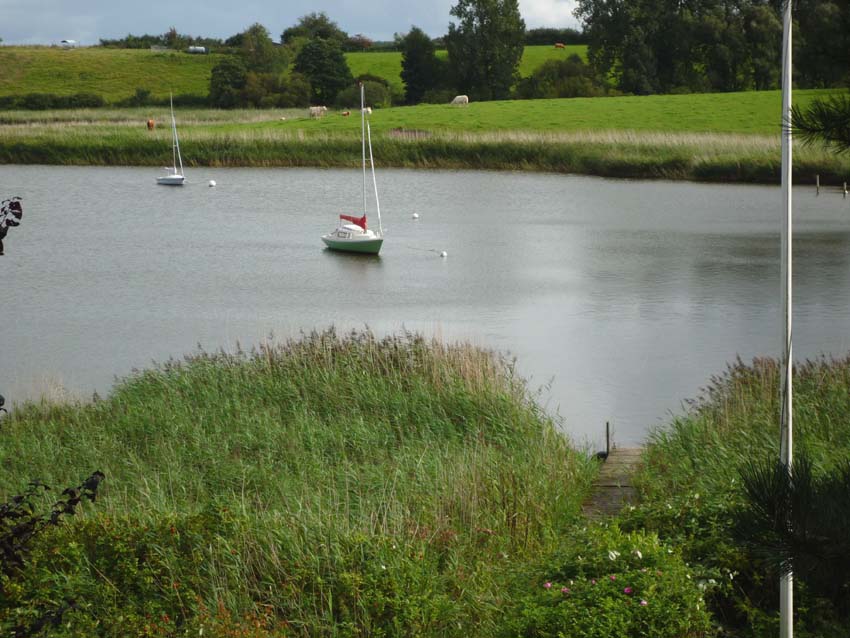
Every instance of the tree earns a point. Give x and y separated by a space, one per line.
419 65
312 26
826 121
485 47
358 42
259 52
323 63
560 78
227 81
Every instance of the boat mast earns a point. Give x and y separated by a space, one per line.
175 143
363 139
786 583
374 181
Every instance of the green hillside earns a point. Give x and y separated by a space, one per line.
113 74
387 64
746 112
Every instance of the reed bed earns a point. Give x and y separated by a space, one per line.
633 154
289 474
736 419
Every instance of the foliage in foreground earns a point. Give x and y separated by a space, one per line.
326 486
692 486
604 582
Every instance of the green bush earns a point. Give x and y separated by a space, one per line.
605 583
377 96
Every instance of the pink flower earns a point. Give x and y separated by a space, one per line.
565 590
643 603
613 577
627 591
547 585
592 581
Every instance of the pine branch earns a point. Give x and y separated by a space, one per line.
825 121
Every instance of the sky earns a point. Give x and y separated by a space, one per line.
87 21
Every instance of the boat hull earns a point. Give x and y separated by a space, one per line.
171 180
362 246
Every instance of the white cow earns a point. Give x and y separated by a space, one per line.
317 111
367 110
460 100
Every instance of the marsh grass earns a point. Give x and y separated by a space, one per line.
288 469
736 419
575 136
693 490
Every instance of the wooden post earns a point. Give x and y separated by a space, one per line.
845 190
817 184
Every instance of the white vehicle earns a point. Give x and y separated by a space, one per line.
68 44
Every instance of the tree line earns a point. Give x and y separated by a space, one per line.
670 46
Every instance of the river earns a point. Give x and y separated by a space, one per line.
619 299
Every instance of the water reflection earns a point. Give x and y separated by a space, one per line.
622 297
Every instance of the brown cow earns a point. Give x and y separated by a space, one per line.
560 45
151 125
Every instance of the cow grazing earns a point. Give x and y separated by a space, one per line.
151 125
346 113
318 111
367 110
560 45
460 100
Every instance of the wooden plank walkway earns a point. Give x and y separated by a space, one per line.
612 490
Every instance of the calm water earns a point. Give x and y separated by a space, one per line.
619 298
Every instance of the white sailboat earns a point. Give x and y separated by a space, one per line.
174 177
355 237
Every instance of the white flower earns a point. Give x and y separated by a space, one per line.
384 567
638 554
612 554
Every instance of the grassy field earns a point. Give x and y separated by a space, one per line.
113 74
330 486
387 64
719 137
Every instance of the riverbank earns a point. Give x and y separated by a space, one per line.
310 486
624 154
329 486
718 138
695 495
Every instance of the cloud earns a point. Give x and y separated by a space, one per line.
548 13
48 21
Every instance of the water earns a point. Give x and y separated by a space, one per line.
618 298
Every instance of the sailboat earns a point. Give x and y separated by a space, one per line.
174 177
355 237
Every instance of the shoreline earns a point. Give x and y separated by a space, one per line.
610 154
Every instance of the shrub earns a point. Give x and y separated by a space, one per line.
377 96
606 582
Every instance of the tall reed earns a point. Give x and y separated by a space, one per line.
287 471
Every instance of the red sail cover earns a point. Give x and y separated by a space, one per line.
360 221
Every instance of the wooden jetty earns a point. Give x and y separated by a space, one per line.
612 490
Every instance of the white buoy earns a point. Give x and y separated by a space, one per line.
415 215
444 254
212 183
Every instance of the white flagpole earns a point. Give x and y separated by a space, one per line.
786 583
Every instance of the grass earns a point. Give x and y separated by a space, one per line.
691 482
719 137
387 64
113 74
282 482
